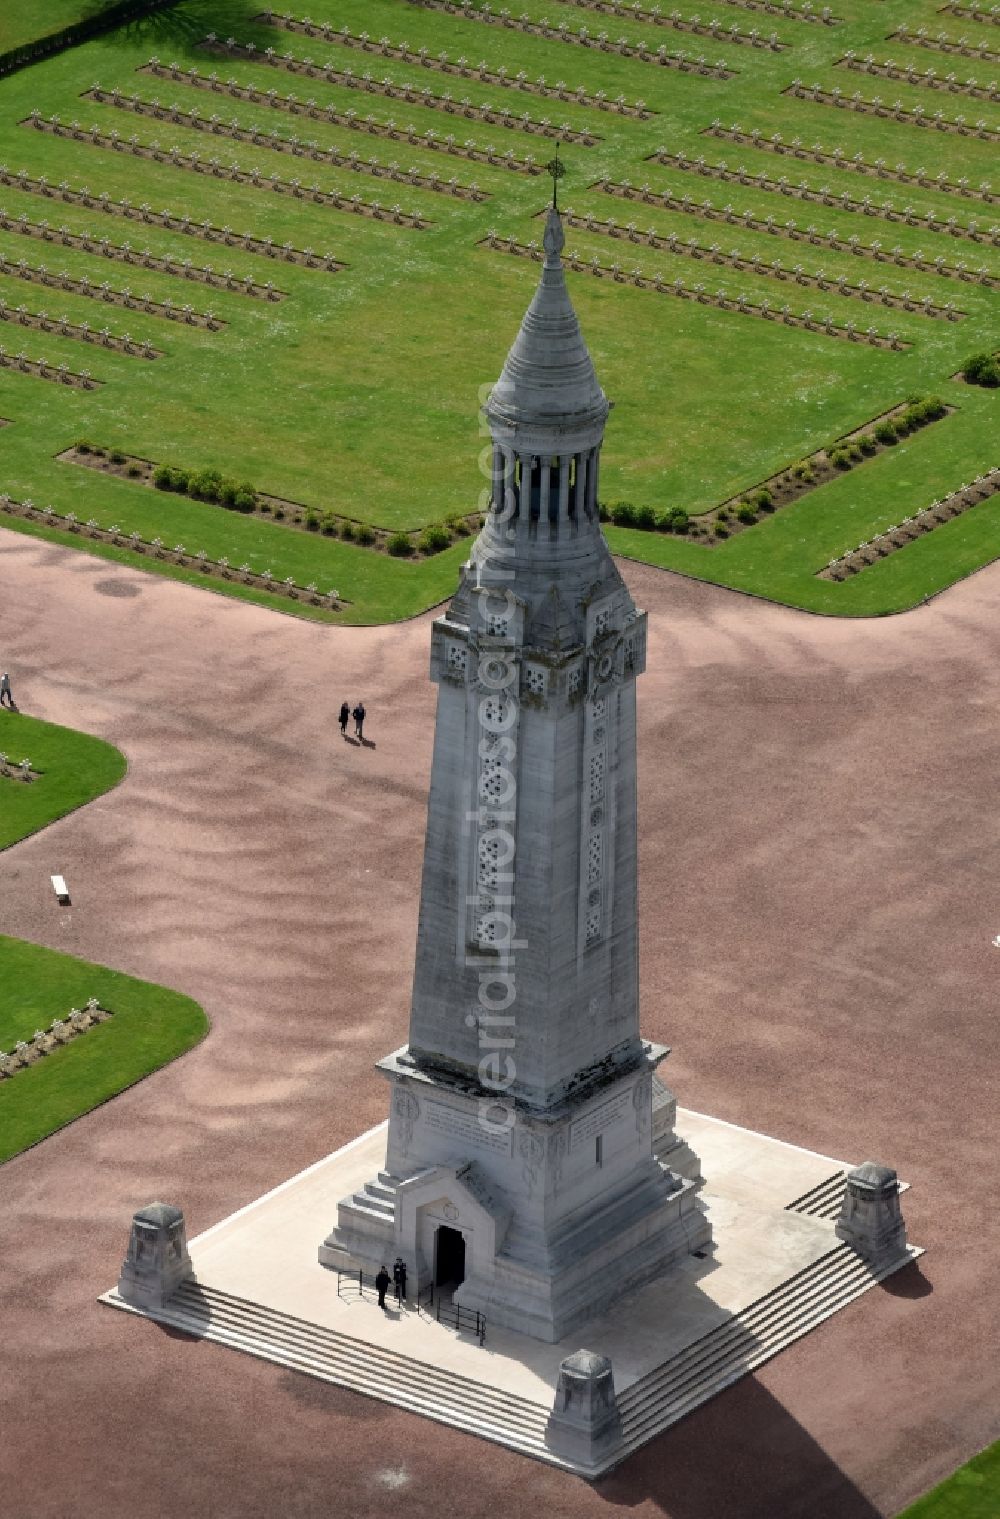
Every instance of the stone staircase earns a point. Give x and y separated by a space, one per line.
823 1200
357 1364
648 1406
377 1199
744 1342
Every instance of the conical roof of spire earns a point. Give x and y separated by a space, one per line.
548 380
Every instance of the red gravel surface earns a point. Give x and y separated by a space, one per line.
819 838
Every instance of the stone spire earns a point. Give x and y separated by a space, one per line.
548 399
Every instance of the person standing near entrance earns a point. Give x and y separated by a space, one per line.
399 1279
5 693
345 713
382 1285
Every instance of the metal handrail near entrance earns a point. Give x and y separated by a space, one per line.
462 1319
352 1283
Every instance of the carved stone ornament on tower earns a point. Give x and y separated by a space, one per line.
531 1161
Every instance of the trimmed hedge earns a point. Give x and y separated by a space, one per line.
210 485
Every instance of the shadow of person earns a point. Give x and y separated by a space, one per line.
350 739
367 743
909 1282
739 1456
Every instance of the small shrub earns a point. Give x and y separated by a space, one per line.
179 480
399 545
433 540
347 531
329 525
116 456
885 433
680 520
97 451
645 518
227 492
279 511
867 444
854 452
82 446
763 499
623 514
982 369
458 527
665 521
365 535
839 459
246 499
265 508
603 511
312 520
800 471
721 530
163 478
205 485
723 515
745 513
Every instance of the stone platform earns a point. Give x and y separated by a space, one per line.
775 1272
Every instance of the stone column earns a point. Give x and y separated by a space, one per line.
544 486
509 496
580 491
871 1221
499 478
564 460
157 1261
584 1426
593 476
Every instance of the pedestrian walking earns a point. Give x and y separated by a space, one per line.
5 694
382 1284
345 713
399 1278
359 715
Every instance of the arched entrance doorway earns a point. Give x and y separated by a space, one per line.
449 1257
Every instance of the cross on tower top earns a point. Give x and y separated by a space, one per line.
557 169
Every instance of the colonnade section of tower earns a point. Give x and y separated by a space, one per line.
531 1166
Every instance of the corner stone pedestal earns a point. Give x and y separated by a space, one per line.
871 1220
157 1261
584 1426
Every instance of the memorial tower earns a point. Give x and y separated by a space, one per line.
531 1161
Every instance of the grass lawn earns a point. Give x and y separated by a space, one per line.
972 1493
74 769
358 392
150 1026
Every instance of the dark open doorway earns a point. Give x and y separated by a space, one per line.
450 1262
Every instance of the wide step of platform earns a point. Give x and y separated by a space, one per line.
648 1406
824 1200
745 1341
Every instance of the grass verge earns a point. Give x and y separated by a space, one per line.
151 1025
